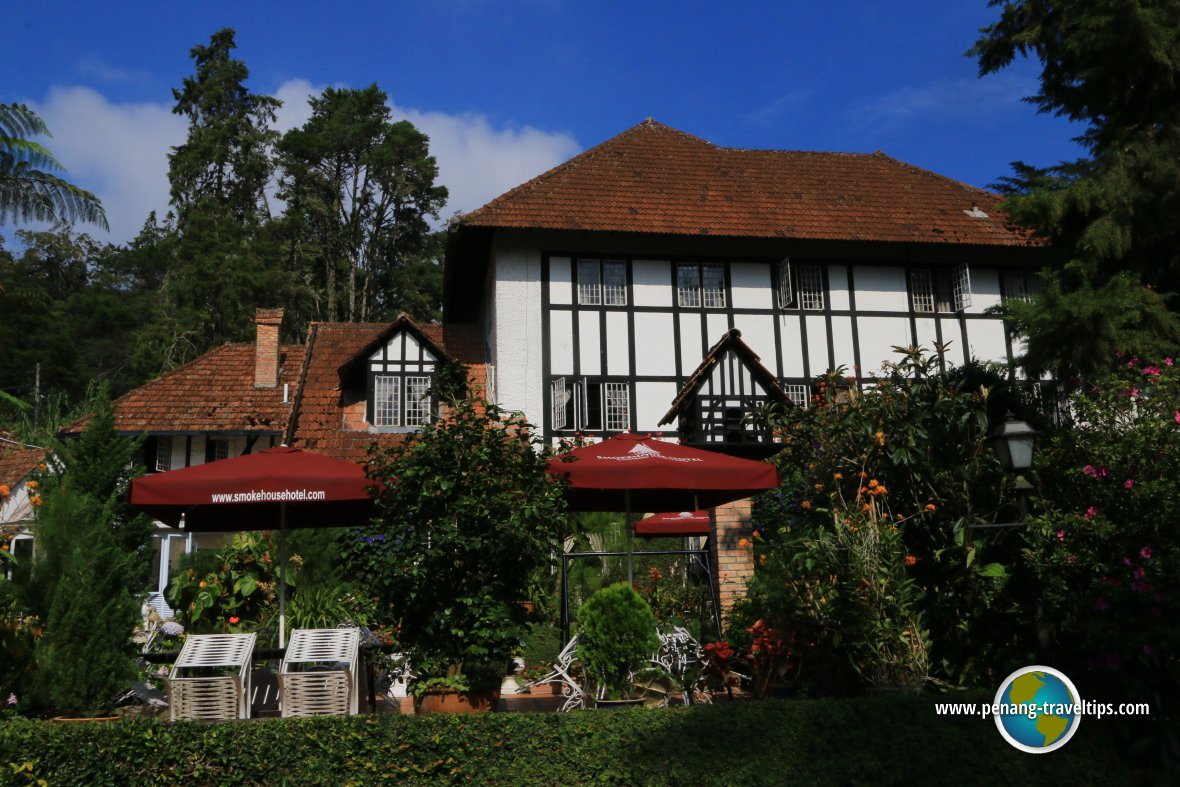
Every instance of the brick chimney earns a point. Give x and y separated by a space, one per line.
266 352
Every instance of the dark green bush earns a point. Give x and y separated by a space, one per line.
879 741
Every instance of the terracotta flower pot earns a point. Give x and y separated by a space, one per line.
457 702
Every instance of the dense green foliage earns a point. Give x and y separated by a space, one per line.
466 514
29 191
359 189
1104 547
350 241
616 637
866 559
832 742
92 560
1114 67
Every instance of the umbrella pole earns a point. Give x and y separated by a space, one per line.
283 574
630 534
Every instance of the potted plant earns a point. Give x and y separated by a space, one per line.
466 514
616 639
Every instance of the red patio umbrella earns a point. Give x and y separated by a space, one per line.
681 523
631 472
276 488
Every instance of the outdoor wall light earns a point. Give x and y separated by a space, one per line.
1013 442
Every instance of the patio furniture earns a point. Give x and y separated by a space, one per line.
318 676
562 673
211 678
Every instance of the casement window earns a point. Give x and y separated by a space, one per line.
401 400
163 454
801 287
1022 286
591 405
700 285
602 282
798 393
941 290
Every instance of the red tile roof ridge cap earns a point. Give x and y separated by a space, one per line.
648 125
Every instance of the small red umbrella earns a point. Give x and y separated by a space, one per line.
681 523
276 488
631 472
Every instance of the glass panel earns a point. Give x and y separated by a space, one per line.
785 296
417 401
560 399
618 407
163 453
386 400
713 286
688 285
811 287
923 291
589 283
799 394
962 287
614 282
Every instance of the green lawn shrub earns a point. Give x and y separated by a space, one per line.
879 740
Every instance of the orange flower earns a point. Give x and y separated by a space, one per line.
43 468
32 485
819 487
867 507
35 500
743 543
910 560
880 438
872 483
805 505
4 490
839 476
931 507
202 584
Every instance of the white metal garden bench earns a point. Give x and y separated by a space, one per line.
562 673
318 676
211 678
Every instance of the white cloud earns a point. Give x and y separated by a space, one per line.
964 98
120 151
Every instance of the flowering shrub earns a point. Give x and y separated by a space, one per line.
240 593
879 490
1105 551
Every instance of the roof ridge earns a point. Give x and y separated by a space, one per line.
648 124
929 173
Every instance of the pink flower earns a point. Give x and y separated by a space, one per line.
1145 553
1127 561
1176 416
1131 364
1103 472
1167 362
1137 572
1128 483
1060 535
1152 371
1091 512
1090 471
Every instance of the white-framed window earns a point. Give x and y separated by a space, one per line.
401 400
163 454
941 290
811 287
798 393
602 282
1024 286
786 293
593 405
700 285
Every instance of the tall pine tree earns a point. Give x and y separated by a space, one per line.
1114 66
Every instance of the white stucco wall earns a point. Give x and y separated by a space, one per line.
516 303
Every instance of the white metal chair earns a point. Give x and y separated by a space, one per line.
211 677
562 673
318 676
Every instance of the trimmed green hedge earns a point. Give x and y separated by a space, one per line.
883 740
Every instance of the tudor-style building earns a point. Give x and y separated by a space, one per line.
604 284
659 283
350 386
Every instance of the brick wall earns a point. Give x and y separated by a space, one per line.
266 354
733 554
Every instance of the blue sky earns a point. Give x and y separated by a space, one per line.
509 89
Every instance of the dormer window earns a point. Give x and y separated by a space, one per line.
400 372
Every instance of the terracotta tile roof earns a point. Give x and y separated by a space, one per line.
655 179
213 393
731 341
326 416
17 461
